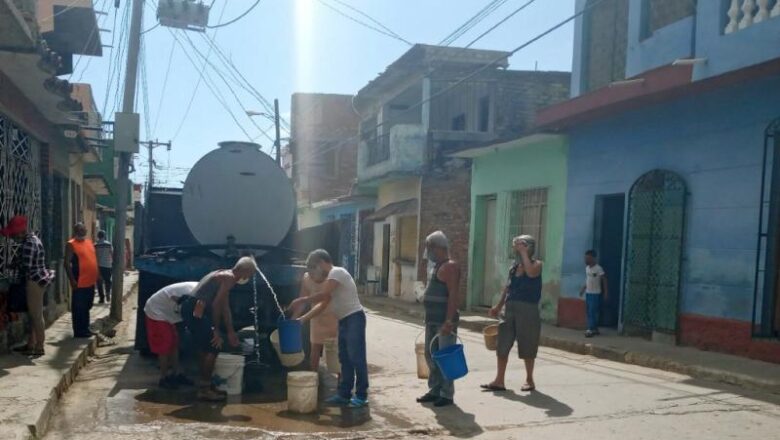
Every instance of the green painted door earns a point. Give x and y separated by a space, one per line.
654 253
489 288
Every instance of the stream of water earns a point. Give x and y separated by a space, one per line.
257 310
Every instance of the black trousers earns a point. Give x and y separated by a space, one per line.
80 303
104 284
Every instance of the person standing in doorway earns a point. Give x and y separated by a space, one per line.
338 293
441 301
105 252
595 286
31 264
520 320
82 270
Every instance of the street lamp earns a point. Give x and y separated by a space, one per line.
275 119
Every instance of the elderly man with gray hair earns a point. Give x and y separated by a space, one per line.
441 301
520 321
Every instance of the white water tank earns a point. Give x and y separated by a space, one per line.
238 190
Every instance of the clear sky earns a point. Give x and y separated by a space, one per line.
287 46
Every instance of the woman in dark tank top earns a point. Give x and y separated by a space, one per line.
520 321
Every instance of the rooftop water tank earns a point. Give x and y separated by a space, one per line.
238 190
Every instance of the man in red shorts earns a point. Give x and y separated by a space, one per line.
162 315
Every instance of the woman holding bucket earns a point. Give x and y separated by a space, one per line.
441 316
520 321
322 327
205 311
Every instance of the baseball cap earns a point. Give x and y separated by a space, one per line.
16 225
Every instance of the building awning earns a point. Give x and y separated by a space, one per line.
405 207
97 184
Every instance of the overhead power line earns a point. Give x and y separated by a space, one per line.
447 89
208 82
483 13
229 22
384 31
504 20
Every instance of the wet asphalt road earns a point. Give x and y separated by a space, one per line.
114 397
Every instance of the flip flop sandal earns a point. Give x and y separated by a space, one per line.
491 387
527 387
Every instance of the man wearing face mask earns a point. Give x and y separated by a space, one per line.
204 311
82 270
441 301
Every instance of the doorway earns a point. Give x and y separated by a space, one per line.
489 263
656 219
385 259
608 244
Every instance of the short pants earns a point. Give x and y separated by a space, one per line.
163 337
201 329
520 323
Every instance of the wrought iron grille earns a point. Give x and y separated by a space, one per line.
654 252
766 294
20 185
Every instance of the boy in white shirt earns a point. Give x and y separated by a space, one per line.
595 286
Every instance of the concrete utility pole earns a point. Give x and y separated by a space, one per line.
278 141
150 146
123 180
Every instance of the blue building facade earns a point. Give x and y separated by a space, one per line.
672 173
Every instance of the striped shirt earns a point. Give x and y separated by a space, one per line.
104 251
31 261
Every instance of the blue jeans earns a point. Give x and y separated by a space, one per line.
593 304
438 385
352 355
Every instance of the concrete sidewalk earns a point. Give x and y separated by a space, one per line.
696 363
30 389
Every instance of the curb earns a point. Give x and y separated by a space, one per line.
38 429
609 353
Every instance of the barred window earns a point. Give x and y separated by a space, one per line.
528 215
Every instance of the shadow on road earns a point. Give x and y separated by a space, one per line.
458 422
552 406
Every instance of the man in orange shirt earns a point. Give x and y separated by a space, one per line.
82 269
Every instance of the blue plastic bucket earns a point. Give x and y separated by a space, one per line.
451 361
290 340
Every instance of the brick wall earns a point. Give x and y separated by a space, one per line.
521 94
445 204
323 146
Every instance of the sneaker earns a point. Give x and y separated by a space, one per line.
443 402
357 402
181 379
337 400
589 334
168 383
210 395
596 332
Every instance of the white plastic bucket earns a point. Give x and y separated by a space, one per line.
230 369
422 364
331 347
287 359
302 391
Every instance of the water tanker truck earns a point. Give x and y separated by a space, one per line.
235 201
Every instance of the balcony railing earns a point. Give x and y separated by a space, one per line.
378 148
745 13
